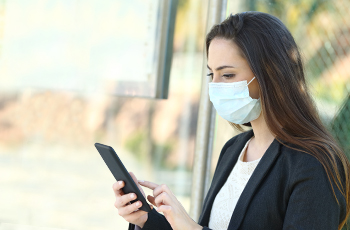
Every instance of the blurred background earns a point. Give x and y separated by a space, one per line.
58 64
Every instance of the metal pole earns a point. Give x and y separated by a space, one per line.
205 125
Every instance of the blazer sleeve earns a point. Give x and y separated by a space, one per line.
155 221
312 204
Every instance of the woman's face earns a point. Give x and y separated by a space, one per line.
225 64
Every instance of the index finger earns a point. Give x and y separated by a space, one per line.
148 184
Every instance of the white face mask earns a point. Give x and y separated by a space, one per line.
233 103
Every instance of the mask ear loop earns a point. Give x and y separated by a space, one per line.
251 80
249 83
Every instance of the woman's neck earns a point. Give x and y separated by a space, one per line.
262 135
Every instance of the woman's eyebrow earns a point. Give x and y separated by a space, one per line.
221 67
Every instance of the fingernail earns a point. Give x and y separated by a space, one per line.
132 195
141 181
138 203
120 182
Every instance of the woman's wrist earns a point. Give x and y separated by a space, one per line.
142 221
141 225
197 227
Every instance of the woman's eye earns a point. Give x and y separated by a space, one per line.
228 75
210 75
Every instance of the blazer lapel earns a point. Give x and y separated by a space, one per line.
223 170
258 175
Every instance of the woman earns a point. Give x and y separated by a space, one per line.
287 172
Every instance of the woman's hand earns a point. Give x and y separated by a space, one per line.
172 209
127 210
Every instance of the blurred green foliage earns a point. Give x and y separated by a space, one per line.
341 126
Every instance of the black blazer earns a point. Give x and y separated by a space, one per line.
288 189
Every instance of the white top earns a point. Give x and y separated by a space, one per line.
226 199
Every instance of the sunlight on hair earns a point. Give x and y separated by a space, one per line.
293 54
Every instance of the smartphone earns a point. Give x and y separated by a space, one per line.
119 172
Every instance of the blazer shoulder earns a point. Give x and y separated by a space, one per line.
307 172
299 159
303 165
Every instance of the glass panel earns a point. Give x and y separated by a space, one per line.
51 175
86 46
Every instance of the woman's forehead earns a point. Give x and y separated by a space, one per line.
224 52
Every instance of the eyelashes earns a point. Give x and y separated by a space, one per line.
228 75
225 75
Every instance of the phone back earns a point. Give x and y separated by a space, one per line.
120 173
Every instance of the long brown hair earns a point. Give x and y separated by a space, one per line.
287 106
